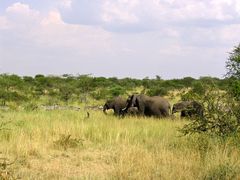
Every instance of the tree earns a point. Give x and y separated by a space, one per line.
233 71
233 63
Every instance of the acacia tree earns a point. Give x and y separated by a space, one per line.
233 63
233 71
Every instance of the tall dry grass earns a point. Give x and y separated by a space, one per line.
67 145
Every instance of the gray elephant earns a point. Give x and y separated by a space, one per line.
131 111
188 109
149 106
117 104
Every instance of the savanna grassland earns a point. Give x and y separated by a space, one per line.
68 145
83 143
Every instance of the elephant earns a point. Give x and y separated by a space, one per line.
117 104
149 106
188 109
131 111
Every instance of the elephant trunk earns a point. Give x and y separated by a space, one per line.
124 111
105 107
169 110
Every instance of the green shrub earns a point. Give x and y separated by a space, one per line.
100 94
198 88
221 114
161 91
116 91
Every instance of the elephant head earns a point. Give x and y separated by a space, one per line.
107 105
178 107
131 101
117 104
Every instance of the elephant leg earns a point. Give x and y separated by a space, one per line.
122 113
183 114
142 111
117 111
165 112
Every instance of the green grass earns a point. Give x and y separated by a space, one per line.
67 145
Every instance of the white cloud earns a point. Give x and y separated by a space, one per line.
51 32
21 16
145 15
22 9
83 39
120 12
54 17
189 10
80 38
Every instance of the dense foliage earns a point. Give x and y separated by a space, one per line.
221 114
68 88
233 71
233 63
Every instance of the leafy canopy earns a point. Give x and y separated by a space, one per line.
233 63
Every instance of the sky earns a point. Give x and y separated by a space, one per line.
118 38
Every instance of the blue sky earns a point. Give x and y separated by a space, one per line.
120 38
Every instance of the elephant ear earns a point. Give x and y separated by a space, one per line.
131 101
137 103
134 99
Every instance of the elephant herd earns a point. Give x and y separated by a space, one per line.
143 105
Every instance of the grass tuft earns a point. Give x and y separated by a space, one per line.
65 142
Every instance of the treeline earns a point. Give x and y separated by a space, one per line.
66 88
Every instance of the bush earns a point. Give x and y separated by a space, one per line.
221 114
116 91
198 88
7 96
197 92
162 91
100 94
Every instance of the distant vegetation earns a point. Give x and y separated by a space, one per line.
68 88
